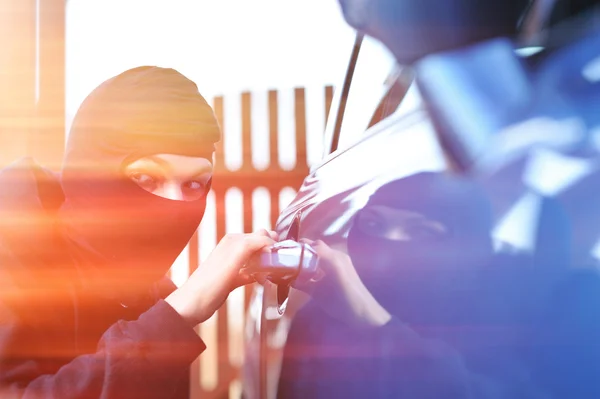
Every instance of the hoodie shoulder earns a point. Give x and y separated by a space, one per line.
29 198
27 186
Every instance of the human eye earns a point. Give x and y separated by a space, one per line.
372 224
147 181
424 231
196 188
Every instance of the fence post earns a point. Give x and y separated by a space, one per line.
247 179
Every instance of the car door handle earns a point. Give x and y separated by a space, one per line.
283 263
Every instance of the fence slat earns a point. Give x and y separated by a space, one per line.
300 124
247 179
226 373
273 127
248 227
246 131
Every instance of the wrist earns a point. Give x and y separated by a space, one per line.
179 302
378 316
373 314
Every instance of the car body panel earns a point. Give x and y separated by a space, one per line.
403 143
323 209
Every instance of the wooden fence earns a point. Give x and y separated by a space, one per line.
270 139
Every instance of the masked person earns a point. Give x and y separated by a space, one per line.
418 307
85 309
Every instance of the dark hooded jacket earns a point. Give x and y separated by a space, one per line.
455 329
566 354
83 255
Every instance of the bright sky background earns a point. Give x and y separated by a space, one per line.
223 45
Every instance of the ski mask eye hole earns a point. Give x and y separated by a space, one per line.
146 181
196 188
170 176
399 224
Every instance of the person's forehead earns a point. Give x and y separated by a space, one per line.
175 159
174 162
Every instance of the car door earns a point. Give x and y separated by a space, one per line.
376 131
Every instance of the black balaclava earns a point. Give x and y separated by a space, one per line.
418 281
123 237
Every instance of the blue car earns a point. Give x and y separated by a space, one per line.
516 128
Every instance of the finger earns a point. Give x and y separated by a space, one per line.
244 277
260 278
251 246
245 274
322 248
263 232
255 242
305 286
318 245
313 243
268 233
241 281
274 235
310 285
318 276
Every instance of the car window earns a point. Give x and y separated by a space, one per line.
397 147
400 81
375 73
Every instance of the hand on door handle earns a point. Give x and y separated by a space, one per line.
283 263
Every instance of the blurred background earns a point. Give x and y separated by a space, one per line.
269 67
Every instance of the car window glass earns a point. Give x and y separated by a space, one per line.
400 82
369 85
412 101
